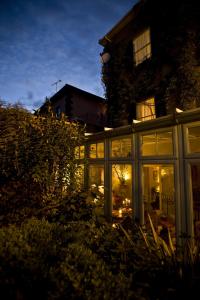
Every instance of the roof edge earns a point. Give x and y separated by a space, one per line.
107 38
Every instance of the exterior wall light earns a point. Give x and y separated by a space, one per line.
108 128
136 121
178 110
87 133
105 57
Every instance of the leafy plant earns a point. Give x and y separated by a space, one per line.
37 158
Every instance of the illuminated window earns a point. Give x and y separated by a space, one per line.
97 150
158 198
121 147
195 175
158 143
96 183
142 47
146 110
194 139
121 190
80 152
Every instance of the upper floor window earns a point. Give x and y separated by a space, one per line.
142 47
146 110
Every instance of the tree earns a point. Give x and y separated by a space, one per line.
37 158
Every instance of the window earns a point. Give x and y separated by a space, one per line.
195 174
121 190
194 139
80 152
146 110
58 112
96 183
158 198
121 147
142 47
158 143
97 150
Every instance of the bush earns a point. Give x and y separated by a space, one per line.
51 261
38 164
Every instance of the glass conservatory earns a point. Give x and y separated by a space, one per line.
149 168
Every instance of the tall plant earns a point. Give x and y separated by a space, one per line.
37 158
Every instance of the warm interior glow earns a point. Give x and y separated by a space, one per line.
146 110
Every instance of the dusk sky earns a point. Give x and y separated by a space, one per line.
43 41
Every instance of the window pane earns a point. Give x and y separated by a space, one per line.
149 144
82 151
96 183
159 143
146 110
195 172
121 148
121 190
158 198
164 143
97 150
100 150
194 139
142 47
93 151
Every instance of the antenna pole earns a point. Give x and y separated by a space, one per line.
56 83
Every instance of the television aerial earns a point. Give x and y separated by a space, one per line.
56 83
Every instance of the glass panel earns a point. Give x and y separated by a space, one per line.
121 148
115 148
100 150
142 47
195 172
93 151
146 110
158 197
164 143
97 150
96 183
159 143
79 152
121 190
149 144
82 151
194 139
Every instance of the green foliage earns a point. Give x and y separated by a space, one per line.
183 89
171 75
50 261
37 160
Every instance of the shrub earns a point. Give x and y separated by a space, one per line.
37 158
51 261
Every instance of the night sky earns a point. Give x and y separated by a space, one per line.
43 41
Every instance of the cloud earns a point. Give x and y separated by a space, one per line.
42 41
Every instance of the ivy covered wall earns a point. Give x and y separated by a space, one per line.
171 75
